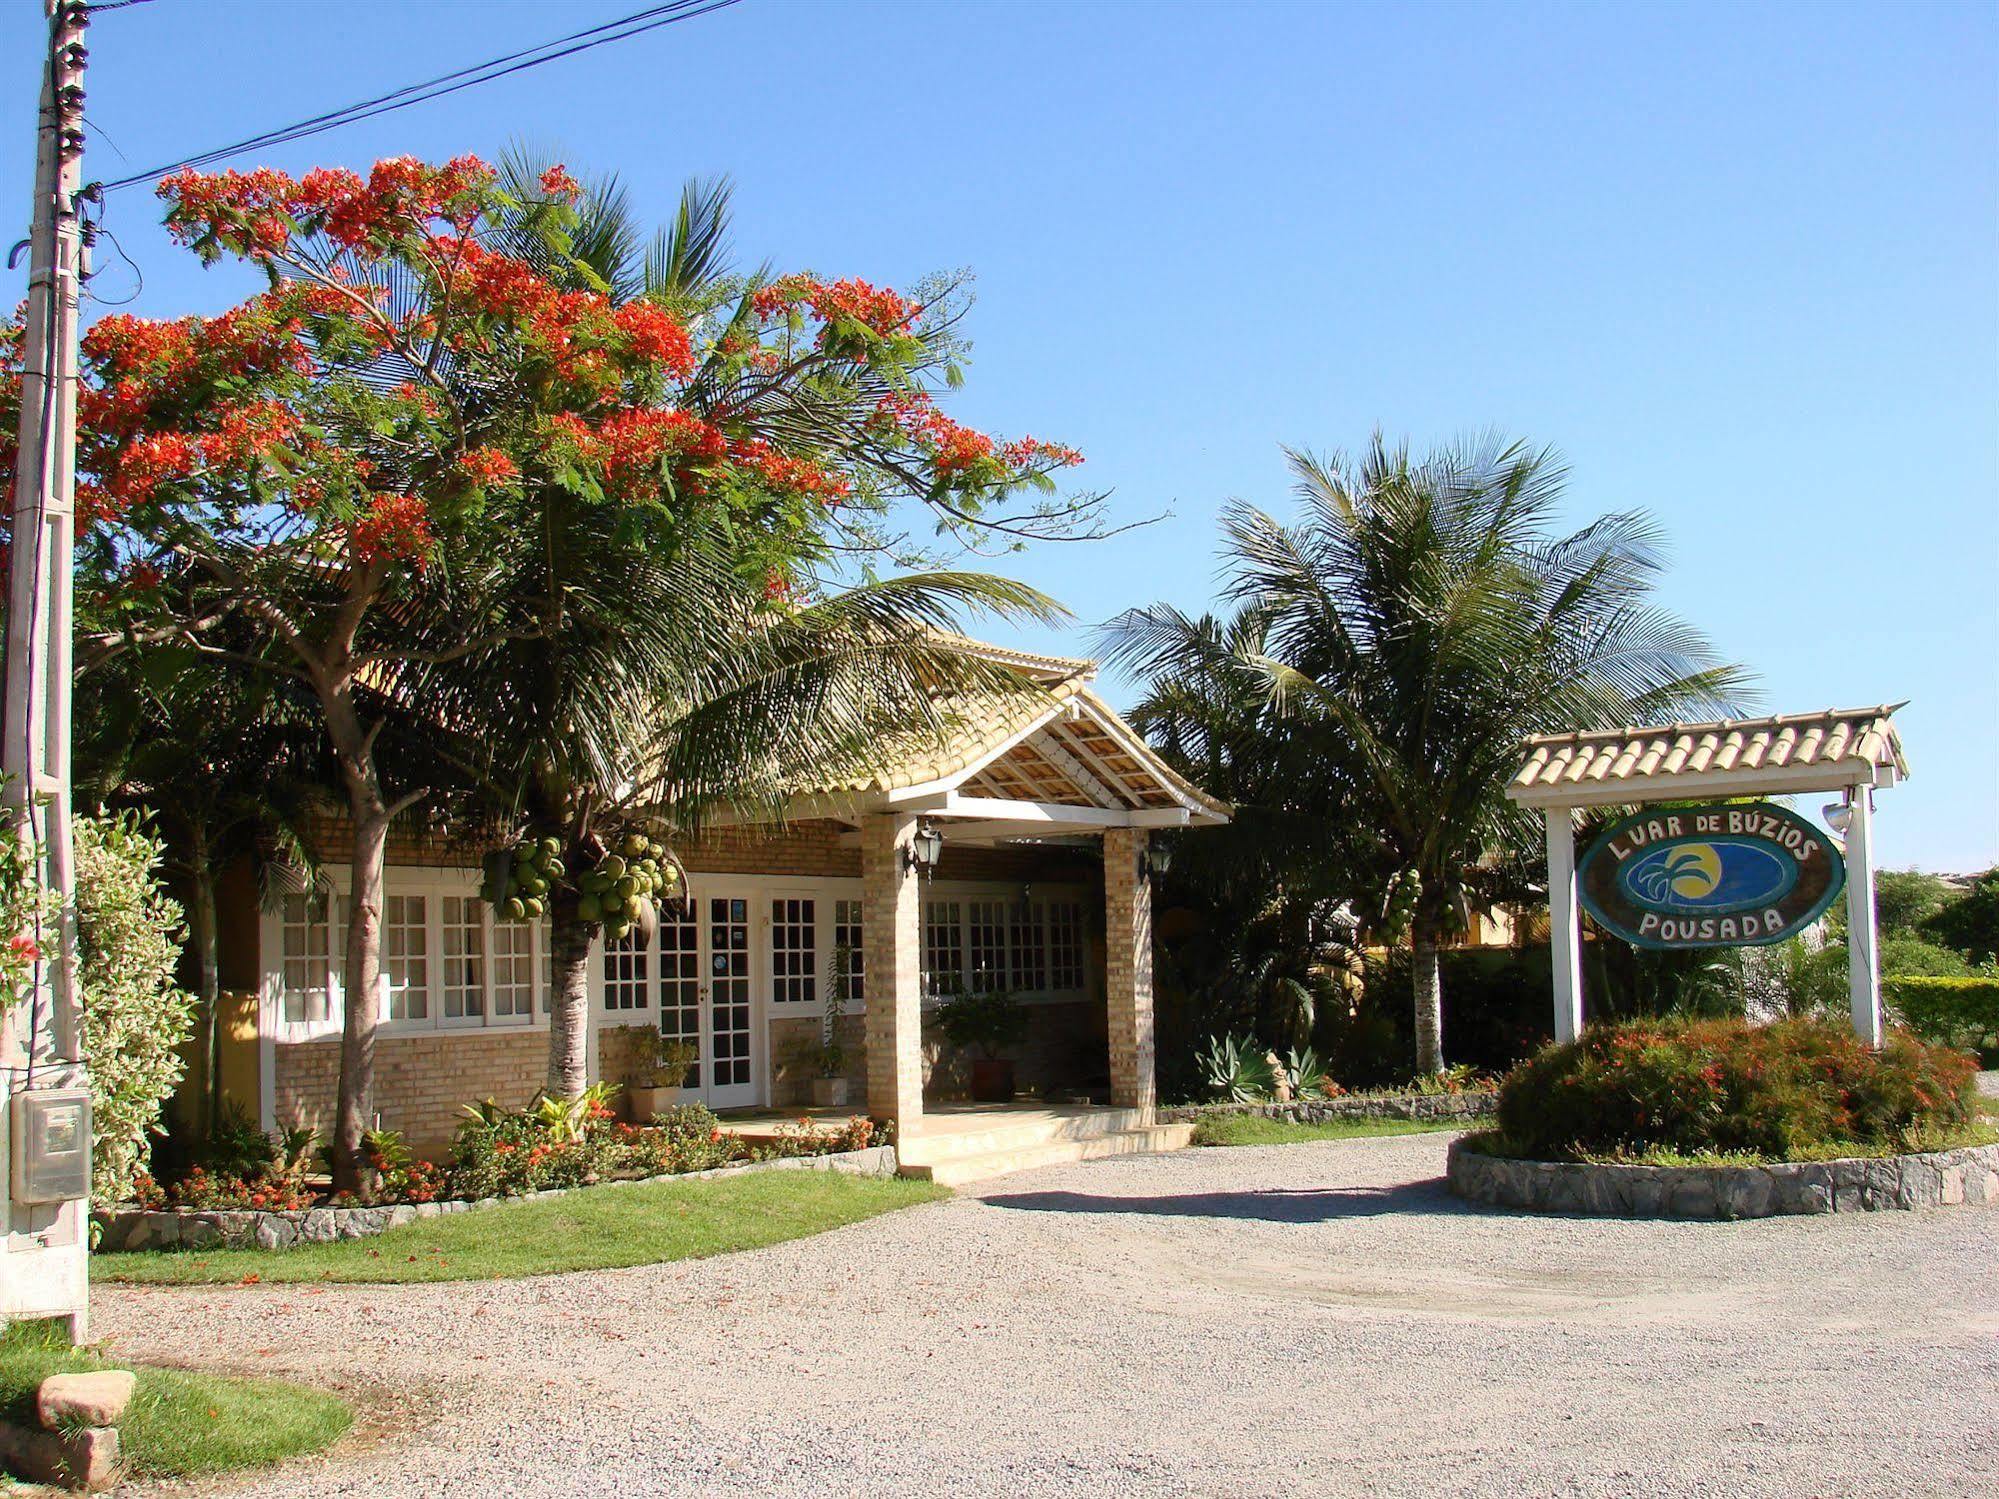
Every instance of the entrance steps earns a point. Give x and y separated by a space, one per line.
954 1149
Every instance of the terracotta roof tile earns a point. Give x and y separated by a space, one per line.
1861 737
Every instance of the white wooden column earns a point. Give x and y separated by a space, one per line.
891 959
1565 925
1863 971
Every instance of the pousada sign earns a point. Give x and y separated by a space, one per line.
1718 876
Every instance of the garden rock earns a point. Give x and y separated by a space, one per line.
97 1398
1947 1178
85 1458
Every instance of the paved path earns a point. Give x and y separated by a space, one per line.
1318 1320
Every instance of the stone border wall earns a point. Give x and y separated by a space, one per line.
1420 1107
246 1228
1946 1178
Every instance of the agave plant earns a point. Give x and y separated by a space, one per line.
1306 1075
1239 1070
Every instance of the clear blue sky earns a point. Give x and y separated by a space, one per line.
1738 262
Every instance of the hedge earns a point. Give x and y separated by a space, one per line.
1953 1011
1718 1087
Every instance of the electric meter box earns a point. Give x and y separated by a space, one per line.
51 1138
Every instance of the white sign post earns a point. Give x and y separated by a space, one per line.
1853 752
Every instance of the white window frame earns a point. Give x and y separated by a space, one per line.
434 884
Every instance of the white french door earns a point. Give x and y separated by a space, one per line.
707 955
731 1053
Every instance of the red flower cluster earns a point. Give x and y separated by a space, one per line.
258 213
572 328
488 466
651 332
557 183
396 527
796 474
955 449
876 308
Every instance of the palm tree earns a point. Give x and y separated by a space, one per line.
1419 620
660 682
662 692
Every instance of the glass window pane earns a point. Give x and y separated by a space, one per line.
943 947
794 951
406 956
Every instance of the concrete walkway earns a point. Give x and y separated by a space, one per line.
1316 1319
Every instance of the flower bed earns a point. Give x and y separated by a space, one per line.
1945 1178
1796 1090
251 1228
1721 1119
256 1189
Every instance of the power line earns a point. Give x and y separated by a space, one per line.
626 27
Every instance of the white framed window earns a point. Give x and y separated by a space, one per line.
847 952
462 925
627 974
511 972
943 947
985 945
447 960
405 957
794 950
680 978
305 960
1027 945
1065 945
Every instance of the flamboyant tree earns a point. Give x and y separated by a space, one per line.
694 661
362 462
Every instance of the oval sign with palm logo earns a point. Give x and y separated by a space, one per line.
1723 876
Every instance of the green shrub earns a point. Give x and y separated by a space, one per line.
1238 1069
1719 1087
1954 1011
135 1016
986 1022
1912 957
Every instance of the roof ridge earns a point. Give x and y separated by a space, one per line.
1689 726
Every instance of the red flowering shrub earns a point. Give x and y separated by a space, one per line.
1699 1087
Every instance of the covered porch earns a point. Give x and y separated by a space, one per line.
1054 768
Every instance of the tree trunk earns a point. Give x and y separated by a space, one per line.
569 1003
203 922
1429 1001
369 812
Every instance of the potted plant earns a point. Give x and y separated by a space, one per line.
829 1057
661 1074
984 1023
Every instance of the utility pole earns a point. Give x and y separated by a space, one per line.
47 1120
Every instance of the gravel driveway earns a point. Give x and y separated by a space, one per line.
1316 1319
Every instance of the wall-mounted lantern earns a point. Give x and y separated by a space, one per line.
1154 858
924 850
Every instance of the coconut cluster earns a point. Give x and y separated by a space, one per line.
519 879
622 887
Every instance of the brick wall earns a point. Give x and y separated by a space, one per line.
422 1082
810 847
1128 969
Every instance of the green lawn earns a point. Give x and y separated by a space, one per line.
179 1424
601 1228
1255 1129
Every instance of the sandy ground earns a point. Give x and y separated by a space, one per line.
1318 1319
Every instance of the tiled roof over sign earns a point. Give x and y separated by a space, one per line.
1851 746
